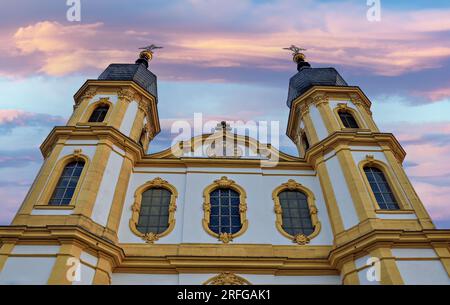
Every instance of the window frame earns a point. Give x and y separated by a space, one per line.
158 182
292 185
43 201
224 182
398 193
103 101
353 112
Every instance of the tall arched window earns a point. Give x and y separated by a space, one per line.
296 212
347 119
225 210
381 189
99 114
154 210
62 195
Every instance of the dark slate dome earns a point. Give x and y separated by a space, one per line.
308 77
137 72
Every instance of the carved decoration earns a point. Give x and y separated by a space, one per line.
292 185
126 94
151 237
224 182
77 154
227 278
320 100
301 239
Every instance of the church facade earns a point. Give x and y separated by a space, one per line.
222 208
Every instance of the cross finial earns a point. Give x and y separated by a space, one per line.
223 126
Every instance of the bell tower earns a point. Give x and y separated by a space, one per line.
78 194
365 187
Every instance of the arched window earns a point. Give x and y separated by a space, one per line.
296 215
225 215
296 212
99 114
62 195
154 210
225 210
154 213
381 189
347 119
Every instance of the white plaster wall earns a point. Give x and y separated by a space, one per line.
413 253
86 275
260 206
423 272
342 193
27 270
199 279
319 125
30 249
128 119
107 188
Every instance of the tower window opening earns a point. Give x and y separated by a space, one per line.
348 119
381 189
67 183
99 114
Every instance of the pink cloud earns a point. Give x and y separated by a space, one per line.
428 153
340 34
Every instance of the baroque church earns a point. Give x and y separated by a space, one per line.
103 211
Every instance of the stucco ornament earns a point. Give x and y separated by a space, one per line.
227 278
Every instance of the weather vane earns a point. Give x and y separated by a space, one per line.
297 54
150 48
295 50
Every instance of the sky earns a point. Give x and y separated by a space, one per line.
224 59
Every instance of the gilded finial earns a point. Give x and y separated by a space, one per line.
146 54
297 55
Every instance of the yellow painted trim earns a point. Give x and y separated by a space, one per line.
56 174
93 179
349 273
151 237
337 224
5 251
358 193
224 182
60 269
40 181
390 275
292 185
120 191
